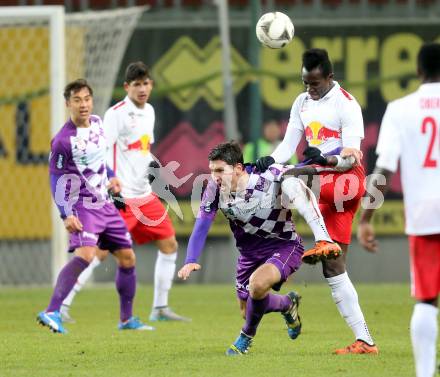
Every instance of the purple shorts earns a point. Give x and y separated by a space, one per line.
103 227
287 258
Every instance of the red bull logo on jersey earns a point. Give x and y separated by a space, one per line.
142 145
316 133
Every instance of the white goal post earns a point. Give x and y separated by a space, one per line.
46 48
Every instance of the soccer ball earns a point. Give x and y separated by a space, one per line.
274 29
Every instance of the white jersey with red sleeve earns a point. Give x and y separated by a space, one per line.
410 131
129 133
328 123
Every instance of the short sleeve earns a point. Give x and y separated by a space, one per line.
352 122
388 145
111 132
153 120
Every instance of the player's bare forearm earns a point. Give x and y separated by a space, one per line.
378 182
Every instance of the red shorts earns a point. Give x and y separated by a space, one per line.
147 219
340 197
424 252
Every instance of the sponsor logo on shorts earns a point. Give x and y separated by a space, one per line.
90 235
242 287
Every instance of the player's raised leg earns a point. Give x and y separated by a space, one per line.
163 279
82 280
296 195
67 277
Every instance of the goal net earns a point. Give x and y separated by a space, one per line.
42 49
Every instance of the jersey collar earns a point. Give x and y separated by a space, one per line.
132 106
330 93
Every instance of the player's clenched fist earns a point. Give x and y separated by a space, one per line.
186 270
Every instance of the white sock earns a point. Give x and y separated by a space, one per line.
82 279
163 277
300 197
424 331
346 299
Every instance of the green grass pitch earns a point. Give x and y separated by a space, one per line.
94 347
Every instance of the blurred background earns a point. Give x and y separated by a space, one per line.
213 81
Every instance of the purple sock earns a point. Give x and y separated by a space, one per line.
278 303
126 287
65 282
255 309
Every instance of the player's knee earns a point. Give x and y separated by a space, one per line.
257 288
87 253
126 258
168 246
291 188
101 254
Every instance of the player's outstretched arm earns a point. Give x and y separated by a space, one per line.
186 270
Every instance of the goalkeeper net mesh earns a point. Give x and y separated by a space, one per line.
94 46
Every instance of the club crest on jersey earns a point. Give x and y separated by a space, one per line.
80 143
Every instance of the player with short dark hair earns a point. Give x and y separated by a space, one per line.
79 180
409 130
331 120
258 207
75 86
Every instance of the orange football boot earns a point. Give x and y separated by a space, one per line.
322 250
358 347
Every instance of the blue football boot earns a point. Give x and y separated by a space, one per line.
291 316
134 323
241 345
52 320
